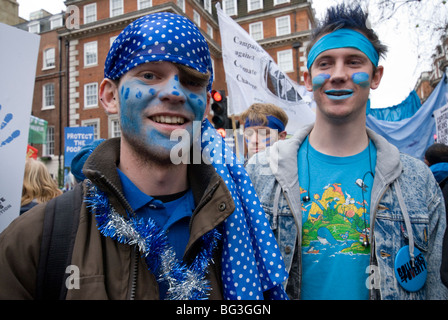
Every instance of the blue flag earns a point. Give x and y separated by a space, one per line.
415 134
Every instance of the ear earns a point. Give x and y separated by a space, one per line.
209 103
308 81
282 135
109 96
376 79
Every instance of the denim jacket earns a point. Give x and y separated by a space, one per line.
403 187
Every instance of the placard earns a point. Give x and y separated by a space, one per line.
18 59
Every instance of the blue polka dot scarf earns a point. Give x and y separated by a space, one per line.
252 265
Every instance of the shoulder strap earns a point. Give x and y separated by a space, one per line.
58 237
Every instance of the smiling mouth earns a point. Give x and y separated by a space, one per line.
174 120
339 94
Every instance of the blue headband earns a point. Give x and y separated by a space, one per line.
273 123
343 38
160 36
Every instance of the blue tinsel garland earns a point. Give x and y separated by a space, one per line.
184 282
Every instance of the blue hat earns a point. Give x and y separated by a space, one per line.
160 36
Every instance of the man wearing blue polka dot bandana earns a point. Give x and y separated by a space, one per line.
151 226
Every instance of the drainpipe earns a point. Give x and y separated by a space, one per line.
60 172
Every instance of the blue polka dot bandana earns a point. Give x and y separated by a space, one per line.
252 265
160 36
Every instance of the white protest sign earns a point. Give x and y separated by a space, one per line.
18 58
441 118
253 76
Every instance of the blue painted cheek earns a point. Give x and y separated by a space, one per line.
361 79
198 105
319 80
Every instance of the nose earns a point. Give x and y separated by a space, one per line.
339 74
172 91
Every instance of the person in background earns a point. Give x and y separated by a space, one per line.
264 124
38 185
436 157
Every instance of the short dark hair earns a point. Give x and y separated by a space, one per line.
348 17
438 152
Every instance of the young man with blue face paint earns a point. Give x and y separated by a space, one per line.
151 227
354 218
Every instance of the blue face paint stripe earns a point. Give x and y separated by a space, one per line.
361 79
319 80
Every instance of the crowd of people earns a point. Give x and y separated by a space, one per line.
333 212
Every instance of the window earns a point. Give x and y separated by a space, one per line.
230 7
284 60
56 21
208 6
276 2
116 7
111 40
90 13
256 30
181 4
90 53
210 30
142 4
114 126
48 147
91 95
283 25
49 58
254 5
196 18
48 96
34 27
95 123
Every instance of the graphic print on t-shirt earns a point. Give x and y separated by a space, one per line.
335 221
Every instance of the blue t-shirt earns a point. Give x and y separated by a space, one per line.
335 222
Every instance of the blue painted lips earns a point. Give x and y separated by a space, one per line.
339 94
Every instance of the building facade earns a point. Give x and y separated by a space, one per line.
429 80
50 85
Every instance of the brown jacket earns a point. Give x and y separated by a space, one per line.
108 269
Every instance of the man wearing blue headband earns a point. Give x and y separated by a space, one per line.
354 218
154 223
264 124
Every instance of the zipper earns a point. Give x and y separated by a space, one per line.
134 274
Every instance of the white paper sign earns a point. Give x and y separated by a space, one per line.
441 118
252 76
18 59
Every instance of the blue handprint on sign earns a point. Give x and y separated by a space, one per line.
7 119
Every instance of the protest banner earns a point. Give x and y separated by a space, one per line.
75 139
441 117
38 131
253 76
18 59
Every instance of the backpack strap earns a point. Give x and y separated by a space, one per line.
58 238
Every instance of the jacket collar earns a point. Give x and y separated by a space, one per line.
283 155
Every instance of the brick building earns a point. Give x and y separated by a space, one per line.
282 27
429 80
50 85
